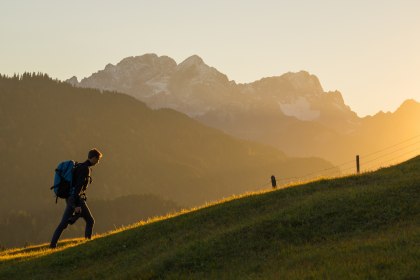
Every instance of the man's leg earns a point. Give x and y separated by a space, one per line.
89 220
63 224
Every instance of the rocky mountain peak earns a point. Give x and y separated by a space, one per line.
73 81
409 105
147 61
193 60
304 81
195 69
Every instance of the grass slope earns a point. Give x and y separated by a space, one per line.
358 227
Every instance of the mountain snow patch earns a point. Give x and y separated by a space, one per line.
300 109
159 86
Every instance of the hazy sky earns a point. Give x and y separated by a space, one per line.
369 50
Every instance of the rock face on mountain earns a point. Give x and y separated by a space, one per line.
291 112
197 89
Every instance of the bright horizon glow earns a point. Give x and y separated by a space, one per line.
368 50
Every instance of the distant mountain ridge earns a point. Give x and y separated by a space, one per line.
291 112
197 89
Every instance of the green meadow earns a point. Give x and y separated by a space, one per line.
357 227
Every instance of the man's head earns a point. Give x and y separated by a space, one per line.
94 156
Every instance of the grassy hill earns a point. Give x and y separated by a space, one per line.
357 227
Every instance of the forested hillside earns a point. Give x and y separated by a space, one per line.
159 152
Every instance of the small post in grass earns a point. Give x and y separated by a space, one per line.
358 164
273 182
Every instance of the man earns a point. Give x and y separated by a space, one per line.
76 203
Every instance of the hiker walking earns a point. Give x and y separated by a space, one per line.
76 201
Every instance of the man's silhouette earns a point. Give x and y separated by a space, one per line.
76 203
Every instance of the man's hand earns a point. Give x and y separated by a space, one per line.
78 210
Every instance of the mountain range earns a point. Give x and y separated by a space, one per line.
291 112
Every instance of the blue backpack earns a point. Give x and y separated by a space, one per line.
63 179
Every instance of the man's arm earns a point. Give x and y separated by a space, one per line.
79 180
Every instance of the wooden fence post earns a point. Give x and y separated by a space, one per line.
358 164
273 182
